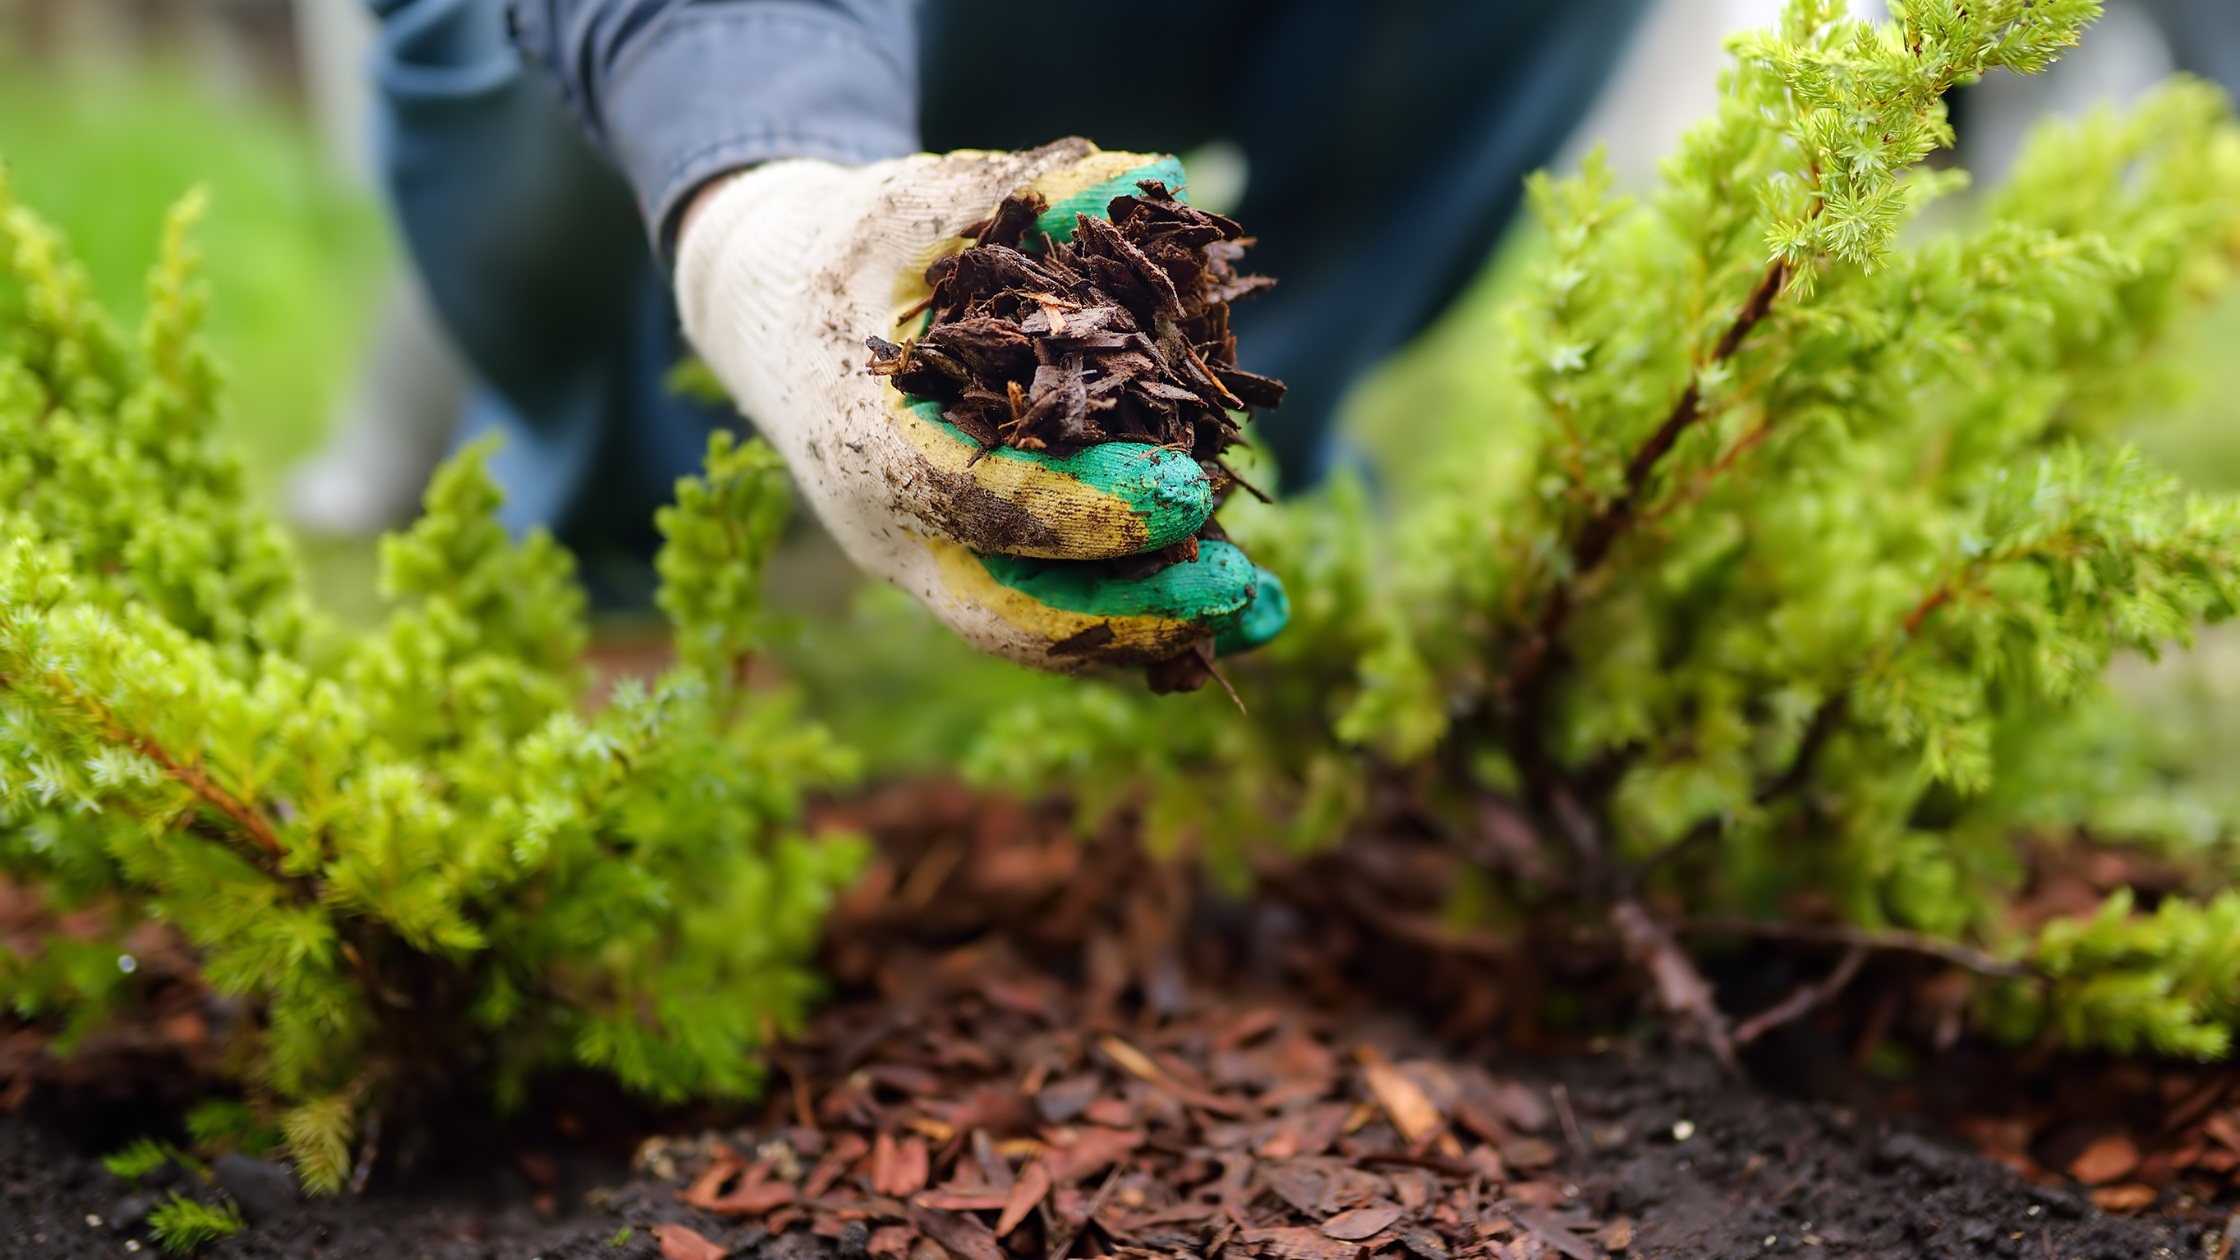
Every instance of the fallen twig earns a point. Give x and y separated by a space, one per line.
1681 989
1878 939
1804 1000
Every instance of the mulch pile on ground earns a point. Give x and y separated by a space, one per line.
1034 1068
1045 1046
1119 335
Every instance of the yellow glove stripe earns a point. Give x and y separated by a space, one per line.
1069 519
1066 182
1135 639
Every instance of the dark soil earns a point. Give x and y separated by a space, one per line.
1201 1079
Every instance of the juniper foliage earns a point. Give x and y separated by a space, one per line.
414 855
1796 583
183 1226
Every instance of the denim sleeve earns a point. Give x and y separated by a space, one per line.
680 91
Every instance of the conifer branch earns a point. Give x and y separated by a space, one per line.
252 823
1802 1001
1531 665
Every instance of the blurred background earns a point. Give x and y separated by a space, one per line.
343 390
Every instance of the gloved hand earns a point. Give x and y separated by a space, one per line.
783 272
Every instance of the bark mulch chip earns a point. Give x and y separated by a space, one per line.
1045 1047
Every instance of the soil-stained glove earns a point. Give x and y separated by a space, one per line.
783 273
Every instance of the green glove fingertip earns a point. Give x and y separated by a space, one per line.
1212 592
1263 619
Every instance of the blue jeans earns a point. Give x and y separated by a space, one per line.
1387 146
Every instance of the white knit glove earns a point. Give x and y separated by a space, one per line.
782 274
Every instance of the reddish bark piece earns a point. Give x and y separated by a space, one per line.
1092 1150
1297 1183
704 1188
1027 1191
1110 1112
1425 1244
912 1164
1141 1065
1292 1089
1403 1100
2125 1198
682 1242
1247 1026
1487 1162
2222 1127
2109 1159
1414 1187
1360 1223
1300 1242
847 1148
883 1152
996 1108
891 1242
977 1199
963 1237
753 1198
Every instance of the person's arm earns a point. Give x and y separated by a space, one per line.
819 243
679 93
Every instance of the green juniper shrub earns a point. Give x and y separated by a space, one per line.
413 856
1798 579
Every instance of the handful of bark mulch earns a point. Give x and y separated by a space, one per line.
1119 335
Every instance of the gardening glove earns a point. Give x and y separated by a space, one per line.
782 274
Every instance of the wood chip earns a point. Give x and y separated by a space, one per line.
963 1237
1027 1191
891 1242
2109 1159
2126 1198
898 1169
1403 1100
847 1148
1091 1150
2223 1128
682 1242
980 1199
1358 1223
1140 1065
1300 1242
705 1188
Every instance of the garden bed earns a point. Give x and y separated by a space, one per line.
1299 1076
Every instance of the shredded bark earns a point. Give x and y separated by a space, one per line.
1119 335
